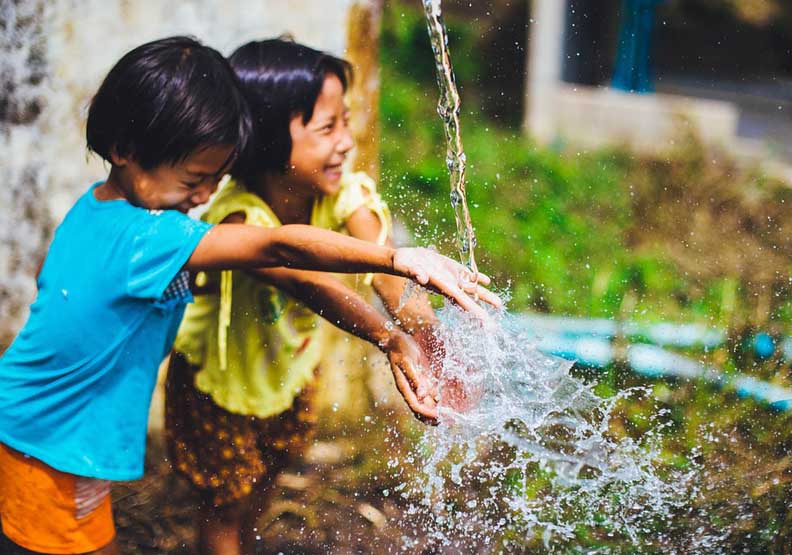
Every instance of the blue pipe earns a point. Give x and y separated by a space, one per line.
683 336
672 335
653 361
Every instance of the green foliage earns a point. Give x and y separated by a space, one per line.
578 232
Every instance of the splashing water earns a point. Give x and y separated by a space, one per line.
524 448
448 109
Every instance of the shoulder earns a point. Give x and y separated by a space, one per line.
357 182
357 189
164 225
234 198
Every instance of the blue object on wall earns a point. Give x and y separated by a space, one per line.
633 71
763 345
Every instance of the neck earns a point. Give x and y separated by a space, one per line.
112 188
283 198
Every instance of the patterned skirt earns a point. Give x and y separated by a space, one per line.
226 455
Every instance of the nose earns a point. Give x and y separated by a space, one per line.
345 142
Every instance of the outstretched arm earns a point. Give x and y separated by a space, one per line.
347 310
415 315
240 246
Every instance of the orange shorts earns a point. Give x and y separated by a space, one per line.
45 510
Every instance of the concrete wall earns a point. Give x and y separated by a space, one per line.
598 117
53 55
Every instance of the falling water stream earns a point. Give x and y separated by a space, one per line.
448 109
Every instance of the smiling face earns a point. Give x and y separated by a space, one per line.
320 146
180 186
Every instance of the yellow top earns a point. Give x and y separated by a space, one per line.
256 347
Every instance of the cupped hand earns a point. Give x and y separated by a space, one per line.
413 380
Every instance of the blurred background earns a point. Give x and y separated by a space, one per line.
629 171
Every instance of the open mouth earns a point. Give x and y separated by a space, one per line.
333 172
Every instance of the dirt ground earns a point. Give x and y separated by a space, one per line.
315 511
319 508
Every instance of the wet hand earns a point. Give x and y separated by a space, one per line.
455 393
445 276
410 369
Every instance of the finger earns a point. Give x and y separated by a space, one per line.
422 411
489 297
466 303
466 274
420 276
456 294
420 382
427 421
428 388
468 286
483 279
482 293
409 373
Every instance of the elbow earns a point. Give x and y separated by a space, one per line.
293 246
278 249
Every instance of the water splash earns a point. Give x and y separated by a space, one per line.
525 450
448 110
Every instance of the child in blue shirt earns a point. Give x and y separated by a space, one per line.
76 383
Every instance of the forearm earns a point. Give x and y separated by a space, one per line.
334 301
232 246
309 247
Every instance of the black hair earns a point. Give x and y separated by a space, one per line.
280 79
165 100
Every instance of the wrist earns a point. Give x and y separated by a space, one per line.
389 338
392 261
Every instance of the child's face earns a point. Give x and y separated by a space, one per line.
320 146
180 186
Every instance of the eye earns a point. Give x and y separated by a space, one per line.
192 184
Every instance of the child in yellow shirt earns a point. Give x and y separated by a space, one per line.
238 404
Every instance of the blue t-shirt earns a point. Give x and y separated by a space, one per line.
76 383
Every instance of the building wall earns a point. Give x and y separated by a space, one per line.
568 97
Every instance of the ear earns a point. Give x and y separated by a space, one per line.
118 160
